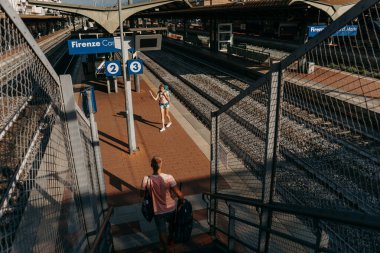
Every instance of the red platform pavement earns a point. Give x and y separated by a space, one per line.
123 172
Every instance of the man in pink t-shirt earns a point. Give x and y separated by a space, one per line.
162 186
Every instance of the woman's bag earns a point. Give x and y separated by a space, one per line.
147 204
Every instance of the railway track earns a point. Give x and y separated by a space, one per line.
357 134
25 137
318 144
361 136
310 180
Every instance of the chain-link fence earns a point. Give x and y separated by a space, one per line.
50 202
307 134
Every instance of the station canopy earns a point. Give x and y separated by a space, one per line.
334 8
108 17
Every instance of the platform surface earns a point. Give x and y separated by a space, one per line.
185 154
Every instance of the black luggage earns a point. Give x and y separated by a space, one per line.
183 223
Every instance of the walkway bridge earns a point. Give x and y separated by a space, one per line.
294 157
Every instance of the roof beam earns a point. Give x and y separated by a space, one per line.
107 17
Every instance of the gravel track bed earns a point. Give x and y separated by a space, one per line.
292 182
297 140
243 146
308 112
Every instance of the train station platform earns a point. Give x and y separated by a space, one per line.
184 151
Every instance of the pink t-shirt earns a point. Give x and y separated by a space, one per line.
162 199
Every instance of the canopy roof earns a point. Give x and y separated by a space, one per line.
108 17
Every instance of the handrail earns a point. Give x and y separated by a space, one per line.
102 230
346 217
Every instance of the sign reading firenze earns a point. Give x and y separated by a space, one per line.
94 46
348 30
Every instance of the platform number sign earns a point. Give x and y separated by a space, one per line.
113 68
135 66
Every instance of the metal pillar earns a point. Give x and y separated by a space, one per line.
136 79
271 150
98 157
74 22
127 90
108 86
214 169
184 37
115 84
213 35
231 228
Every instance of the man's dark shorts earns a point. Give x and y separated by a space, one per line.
161 219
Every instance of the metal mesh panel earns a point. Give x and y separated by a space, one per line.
238 226
282 245
41 207
222 222
326 132
246 233
242 130
42 214
330 124
307 234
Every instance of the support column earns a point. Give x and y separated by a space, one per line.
271 150
213 35
231 228
115 84
136 79
213 170
73 22
127 90
108 85
184 37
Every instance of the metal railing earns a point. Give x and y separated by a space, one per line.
103 240
306 134
50 194
316 242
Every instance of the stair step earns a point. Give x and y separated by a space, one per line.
202 243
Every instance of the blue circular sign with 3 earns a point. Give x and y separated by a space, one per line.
135 66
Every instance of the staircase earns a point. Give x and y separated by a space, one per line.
132 233
202 243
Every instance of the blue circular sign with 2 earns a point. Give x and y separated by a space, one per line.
113 68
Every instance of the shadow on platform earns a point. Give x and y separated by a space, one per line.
140 119
113 139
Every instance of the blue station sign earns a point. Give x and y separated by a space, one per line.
113 68
94 46
348 30
135 66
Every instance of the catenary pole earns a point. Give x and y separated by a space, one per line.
127 90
